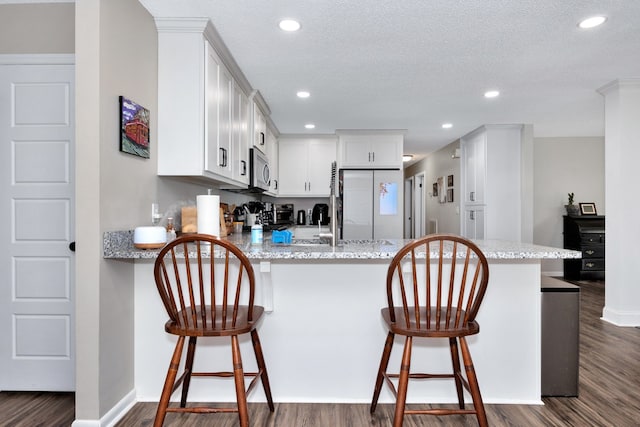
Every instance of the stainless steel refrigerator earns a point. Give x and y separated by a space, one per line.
370 204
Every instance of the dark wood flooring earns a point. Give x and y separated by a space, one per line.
609 394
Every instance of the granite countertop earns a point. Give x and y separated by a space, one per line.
119 245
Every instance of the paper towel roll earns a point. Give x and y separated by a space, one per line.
208 207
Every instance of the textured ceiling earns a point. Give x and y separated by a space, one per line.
415 64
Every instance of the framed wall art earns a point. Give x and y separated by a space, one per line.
588 209
134 128
442 195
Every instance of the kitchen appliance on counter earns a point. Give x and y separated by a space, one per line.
320 214
370 204
283 214
302 217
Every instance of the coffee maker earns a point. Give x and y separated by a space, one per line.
320 214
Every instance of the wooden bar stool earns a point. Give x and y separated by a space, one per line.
432 294
207 287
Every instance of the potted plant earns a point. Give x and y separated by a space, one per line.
570 207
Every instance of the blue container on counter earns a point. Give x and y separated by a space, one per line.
283 236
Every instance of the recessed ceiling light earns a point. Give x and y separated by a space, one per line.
303 94
289 25
591 22
310 126
491 94
447 126
407 157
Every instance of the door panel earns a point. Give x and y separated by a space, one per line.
357 205
37 212
387 204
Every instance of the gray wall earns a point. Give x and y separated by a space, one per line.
561 166
37 28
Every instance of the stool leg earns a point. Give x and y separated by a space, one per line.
168 383
473 383
455 360
257 348
191 349
384 362
238 375
403 383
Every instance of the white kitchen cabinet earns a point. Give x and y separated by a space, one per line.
219 89
198 123
241 136
305 166
474 222
259 128
370 149
474 162
492 183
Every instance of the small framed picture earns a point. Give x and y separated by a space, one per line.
450 195
588 209
134 128
450 181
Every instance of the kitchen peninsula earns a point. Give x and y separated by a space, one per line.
322 335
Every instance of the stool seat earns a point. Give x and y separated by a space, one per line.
214 323
428 325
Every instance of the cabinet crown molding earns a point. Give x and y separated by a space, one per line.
205 27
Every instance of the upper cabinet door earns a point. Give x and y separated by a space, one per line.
259 129
241 136
367 150
321 154
305 166
292 167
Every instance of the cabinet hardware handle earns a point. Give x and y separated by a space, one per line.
275 184
243 163
72 246
472 215
309 186
472 196
224 157
373 156
261 138
590 252
369 153
590 264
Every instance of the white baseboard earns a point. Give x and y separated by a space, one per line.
113 416
621 318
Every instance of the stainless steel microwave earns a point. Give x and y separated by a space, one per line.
258 170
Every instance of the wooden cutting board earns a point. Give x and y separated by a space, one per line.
190 220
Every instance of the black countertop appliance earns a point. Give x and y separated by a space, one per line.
302 218
320 214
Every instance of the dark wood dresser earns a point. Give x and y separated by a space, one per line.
584 233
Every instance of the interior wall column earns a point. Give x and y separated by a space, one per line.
622 175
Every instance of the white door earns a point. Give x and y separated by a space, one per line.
37 206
